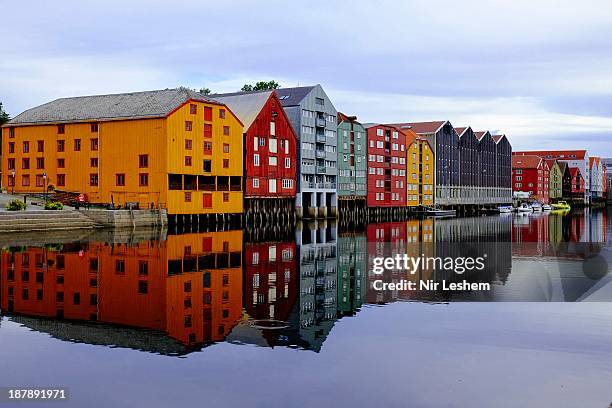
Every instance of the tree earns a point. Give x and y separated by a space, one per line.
261 86
205 91
4 117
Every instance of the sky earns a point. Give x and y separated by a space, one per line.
538 71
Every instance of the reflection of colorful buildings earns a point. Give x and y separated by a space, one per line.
189 287
351 273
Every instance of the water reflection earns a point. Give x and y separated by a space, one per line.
178 293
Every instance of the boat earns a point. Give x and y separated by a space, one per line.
524 208
546 207
560 212
437 212
561 205
536 207
504 209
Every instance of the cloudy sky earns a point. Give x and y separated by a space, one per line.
539 71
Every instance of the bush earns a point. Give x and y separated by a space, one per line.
15 205
54 205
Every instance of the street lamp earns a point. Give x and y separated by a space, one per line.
13 184
45 183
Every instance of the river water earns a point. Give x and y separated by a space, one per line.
291 317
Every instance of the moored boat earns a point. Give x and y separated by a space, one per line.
524 208
536 207
561 205
546 207
504 209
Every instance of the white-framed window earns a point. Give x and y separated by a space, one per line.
255 143
255 183
256 160
273 145
272 129
395 135
272 161
287 162
272 186
380 132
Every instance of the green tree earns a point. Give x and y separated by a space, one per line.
261 86
205 91
4 117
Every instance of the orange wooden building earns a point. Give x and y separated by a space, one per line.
173 148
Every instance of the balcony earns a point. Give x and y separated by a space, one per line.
320 122
320 154
321 169
321 139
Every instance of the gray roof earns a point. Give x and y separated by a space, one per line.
245 105
293 96
134 105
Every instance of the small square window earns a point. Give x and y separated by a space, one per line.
187 160
187 196
143 161
193 108
226 130
94 128
61 129
222 113
143 179
120 179
188 125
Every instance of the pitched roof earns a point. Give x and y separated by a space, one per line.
480 134
580 154
497 138
551 162
461 130
345 118
134 105
245 105
595 160
526 162
421 127
293 96
562 165
574 171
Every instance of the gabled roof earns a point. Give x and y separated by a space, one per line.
551 162
293 96
134 105
556 154
575 171
421 127
562 165
497 138
345 118
481 133
595 160
245 105
526 162
461 130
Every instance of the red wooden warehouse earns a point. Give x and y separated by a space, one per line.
269 150
386 166
530 174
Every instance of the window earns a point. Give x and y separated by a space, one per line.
11 132
187 160
207 148
262 141
120 265
225 163
61 180
188 144
272 161
40 146
60 129
222 113
207 130
25 163
61 163
226 148
225 197
60 145
94 144
26 147
187 196
143 161
256 160
94 180
255 183
77 145
40 162
94 128
143 179
226 130
40 180
287 162
120 179
11 146
320 101
93 162
193 108
25 180
188 125
207 166
272 129
11 164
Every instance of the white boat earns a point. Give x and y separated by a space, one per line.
546 207
536 207
437 212
504 209
524 208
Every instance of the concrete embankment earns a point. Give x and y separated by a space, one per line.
127 218
42 220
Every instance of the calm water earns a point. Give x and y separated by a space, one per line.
289 317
